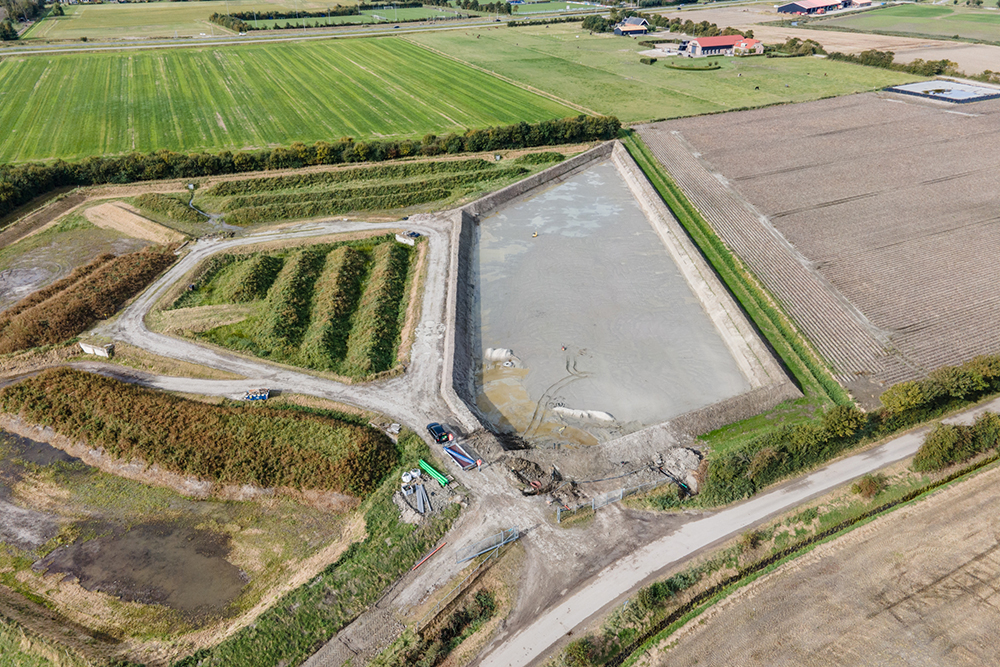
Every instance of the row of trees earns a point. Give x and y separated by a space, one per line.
23 182
689 27
23 10
501 7
884 59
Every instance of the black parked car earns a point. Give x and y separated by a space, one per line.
439 433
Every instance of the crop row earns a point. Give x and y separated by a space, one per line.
230 445
371 346
332 206
168 206
334 300
377 173
97 295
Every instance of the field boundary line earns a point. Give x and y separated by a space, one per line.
522 86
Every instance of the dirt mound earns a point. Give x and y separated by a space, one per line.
125 219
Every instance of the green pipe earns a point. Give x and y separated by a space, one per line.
441 479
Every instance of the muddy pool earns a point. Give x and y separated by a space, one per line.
167 562
586 328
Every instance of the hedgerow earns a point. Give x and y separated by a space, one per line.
169 206
372 343
21 183
334 298
948 444
546 157
230 445
98 295
286 315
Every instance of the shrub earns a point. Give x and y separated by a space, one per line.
647 61
944 445
231 445
540 158
869 486
41 295
843 421
98 295
903 397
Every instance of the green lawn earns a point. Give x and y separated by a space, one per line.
155 19
75 105
603 73
371 16
542 7
944 21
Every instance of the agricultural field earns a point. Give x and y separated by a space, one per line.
891 226
368 16
924 20
255 96
337 307
603 73
152 19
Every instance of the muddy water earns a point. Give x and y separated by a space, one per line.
165 562
598 317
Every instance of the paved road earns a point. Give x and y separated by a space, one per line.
534 643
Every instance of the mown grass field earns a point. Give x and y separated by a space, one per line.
77 105
154 19
603 73
332 307
386 16
943 21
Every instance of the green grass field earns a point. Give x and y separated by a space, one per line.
371 16
549 7
154 19
944 21
603 73
71 106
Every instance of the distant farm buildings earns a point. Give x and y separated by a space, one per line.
632 26
723 45
820 6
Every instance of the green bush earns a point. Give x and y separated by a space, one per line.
546 157
647 61
869 485
948 444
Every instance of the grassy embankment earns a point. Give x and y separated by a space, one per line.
356 190
371 79
603 73
69 306
333 307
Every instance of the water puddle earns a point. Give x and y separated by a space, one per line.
587 329
157 563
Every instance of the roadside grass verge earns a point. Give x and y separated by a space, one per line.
225 444
303 620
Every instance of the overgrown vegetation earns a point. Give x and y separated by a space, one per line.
230 445
688 27
18 649
546 157
884 59
869 485
301 621
948 444
335 307
435 645
93 292
21 183
168 206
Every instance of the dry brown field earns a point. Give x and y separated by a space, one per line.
125 219
873 218
920 586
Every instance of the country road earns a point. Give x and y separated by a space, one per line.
533 644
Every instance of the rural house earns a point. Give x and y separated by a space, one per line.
723 45
632 26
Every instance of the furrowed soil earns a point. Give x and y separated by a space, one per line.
918 586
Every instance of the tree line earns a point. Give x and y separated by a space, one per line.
20 183
689 27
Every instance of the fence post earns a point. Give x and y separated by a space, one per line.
593 504
558 515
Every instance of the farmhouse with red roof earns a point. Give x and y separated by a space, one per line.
723 45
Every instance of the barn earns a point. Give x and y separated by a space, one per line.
723 45
813 6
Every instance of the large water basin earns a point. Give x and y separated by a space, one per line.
606 334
